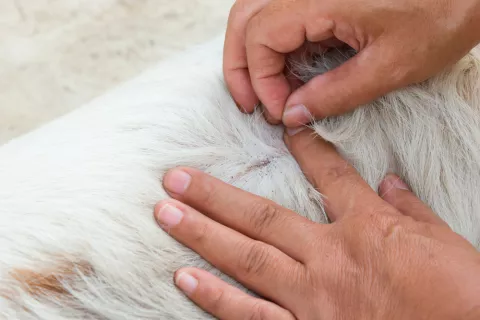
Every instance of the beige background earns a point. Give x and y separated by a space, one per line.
56 55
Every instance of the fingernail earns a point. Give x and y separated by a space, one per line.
293 131
269 118
241 108
177 181
297 115
266 113
394 181
186 283
169 216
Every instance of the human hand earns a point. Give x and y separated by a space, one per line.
389 258
399 42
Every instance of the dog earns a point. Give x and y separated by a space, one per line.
77 234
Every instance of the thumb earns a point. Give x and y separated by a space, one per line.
365 77
396 192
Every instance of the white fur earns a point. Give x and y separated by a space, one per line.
82 188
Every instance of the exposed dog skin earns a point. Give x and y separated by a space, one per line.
77 234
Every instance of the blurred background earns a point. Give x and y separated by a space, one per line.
56 55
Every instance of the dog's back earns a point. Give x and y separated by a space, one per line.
77 235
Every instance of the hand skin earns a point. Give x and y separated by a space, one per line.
399 42
389 258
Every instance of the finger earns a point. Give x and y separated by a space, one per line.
224 301
254 216
256 265
343 188
268 117
266 53
396 192
358 81
269 82
235 67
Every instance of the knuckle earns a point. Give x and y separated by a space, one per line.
217 299
253 25
376 217
401 70
398 67
201 233
208 192
259 311
235 9
425 229
236 22
253 260
341 171
383 224
263 214
373 224
240 14
264 65
384 213
239 8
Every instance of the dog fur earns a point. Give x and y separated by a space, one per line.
77 234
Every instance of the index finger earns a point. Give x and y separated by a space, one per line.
235 66
271 34
344 189
253 216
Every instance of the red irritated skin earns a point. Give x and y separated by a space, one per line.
386 257
400 42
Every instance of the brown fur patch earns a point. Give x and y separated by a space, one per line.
48 282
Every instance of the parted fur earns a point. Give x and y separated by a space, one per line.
77 235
